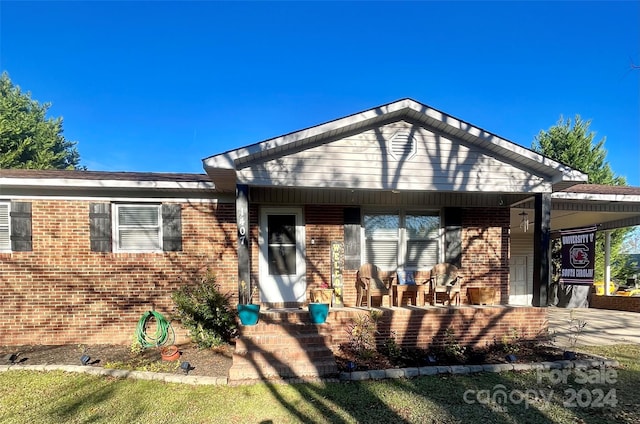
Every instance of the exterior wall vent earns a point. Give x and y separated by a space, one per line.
402 146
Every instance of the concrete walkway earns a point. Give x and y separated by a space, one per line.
604 327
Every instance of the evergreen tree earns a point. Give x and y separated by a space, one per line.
572 143
28 139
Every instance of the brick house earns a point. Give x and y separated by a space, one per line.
83 254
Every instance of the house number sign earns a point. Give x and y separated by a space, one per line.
337 266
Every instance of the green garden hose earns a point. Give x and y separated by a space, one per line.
164 334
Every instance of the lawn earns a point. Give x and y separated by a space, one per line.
54 397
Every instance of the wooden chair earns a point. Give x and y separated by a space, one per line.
372 282
445 278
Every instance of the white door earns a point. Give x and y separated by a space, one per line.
520 292
282 256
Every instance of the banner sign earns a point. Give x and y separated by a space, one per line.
578 255
337 266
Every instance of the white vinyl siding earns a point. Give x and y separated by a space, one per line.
138 228
5 227
438 163
408 241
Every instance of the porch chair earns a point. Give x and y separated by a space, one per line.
445 278
372 282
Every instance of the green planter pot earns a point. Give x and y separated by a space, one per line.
318 312
249 314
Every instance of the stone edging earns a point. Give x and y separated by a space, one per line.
470 369
391 373
116 373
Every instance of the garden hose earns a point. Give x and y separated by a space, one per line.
163 335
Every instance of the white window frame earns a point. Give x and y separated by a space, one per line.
117 228
397 238
6 226
402 235
405 238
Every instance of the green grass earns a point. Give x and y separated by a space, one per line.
53 397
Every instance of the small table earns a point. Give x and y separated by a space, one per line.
416 293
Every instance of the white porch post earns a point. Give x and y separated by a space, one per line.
607 264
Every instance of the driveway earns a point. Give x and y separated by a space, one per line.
603 326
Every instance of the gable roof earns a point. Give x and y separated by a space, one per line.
222 167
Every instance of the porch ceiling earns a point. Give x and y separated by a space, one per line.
573 219
608 207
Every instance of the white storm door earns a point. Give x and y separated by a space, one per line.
519 293
282 255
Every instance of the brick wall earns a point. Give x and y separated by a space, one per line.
62 292
618 303
323 224
485 246
472 326
485 251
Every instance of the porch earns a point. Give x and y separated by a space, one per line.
286 345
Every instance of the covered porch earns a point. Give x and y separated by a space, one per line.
404 187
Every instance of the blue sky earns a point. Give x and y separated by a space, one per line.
158 86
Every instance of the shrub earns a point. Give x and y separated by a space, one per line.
362 334
206 312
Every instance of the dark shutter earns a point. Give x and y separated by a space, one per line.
352 238
453 236
100 227
171 227
21 240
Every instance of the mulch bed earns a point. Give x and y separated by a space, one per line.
364 360
207 362
216 362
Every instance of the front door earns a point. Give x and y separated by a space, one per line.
282 256
519 292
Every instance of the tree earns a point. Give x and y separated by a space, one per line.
28 139
573 146
571 143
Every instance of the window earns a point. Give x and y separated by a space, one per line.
282 244
5 228
122 227
138 228
423 241
406 240
382 237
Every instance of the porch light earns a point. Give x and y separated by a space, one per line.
524 221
